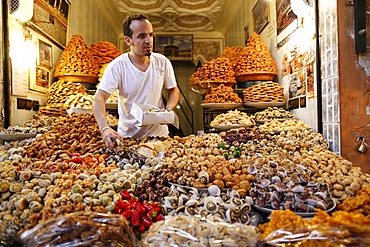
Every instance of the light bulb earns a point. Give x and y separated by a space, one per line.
22 50
301 8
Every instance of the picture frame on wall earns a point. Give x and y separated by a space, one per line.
45 54
175 47
51 19
286 21
261 15
41 80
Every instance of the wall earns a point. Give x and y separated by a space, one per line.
354 84
235 33
20 87
87 19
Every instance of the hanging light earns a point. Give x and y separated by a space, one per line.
22 48
301 8
22 10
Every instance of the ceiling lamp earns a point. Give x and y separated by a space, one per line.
301 8
22 10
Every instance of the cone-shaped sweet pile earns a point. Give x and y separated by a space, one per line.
255 58
232 53
104 52
216 70
76 59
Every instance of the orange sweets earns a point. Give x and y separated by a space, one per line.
104 52
216 70
76 59
222 94
255 57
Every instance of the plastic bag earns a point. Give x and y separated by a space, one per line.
317 236
8 236
182 230
81 229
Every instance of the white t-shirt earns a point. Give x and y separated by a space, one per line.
135 86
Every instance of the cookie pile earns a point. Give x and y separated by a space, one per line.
216 70
53 110
255 58
104 52
80 100
232 117
76 59
60 90
267 91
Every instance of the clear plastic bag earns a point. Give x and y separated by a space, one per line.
81 229
317 236
182 230
8 236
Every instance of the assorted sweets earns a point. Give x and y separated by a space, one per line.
250 63
232 53
218 70
80 100
222 94
272 113
59 91
104 52
255 57
218 181
267 91
76 59
232 117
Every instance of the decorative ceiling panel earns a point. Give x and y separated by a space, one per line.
176 15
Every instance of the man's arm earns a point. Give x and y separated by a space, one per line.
107 133
173 98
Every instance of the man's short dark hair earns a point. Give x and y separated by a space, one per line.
126 24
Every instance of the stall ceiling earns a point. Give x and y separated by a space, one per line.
176 15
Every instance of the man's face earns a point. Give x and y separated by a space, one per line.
142 37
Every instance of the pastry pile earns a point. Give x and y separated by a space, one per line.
76 59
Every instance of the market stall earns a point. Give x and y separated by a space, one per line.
263 179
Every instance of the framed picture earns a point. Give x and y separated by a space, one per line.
45 55
175 47
286 20
41 80
261 15
51 19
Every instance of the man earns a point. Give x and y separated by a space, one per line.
139 75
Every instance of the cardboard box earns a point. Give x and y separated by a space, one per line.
140 112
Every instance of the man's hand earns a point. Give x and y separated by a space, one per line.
109 137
